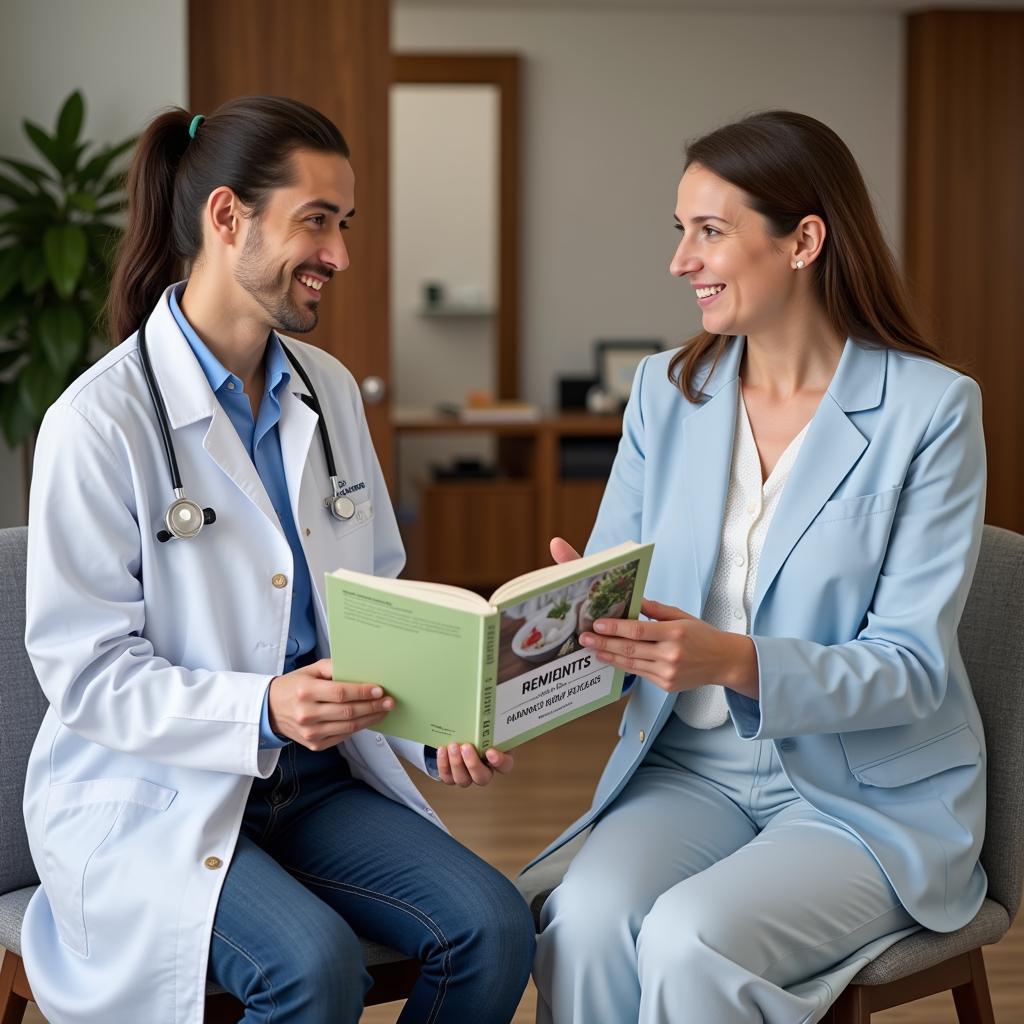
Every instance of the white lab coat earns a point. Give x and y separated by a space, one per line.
155 658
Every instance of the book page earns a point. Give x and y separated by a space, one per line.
549 575
545 676
441 594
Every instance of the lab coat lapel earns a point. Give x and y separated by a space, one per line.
830 449
296 427
189 399
708 435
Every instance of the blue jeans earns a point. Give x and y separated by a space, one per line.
323 858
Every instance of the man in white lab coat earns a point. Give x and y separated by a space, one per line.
203 800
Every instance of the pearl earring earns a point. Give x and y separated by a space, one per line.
799 265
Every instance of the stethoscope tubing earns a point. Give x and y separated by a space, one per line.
334 504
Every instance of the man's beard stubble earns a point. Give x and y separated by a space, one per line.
260 280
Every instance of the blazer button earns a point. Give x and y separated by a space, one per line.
213 863
643 735
279 580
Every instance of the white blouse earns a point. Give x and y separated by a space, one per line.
749 509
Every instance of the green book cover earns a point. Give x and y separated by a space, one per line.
491 673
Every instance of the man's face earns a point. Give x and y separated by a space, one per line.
296 245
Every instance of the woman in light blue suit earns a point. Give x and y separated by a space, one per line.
800 778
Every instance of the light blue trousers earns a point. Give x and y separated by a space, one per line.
711 893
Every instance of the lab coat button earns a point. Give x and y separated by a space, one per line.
279 580
213 863
643 735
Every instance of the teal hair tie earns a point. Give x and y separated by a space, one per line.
196 122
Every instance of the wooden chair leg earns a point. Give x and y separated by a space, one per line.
12 1003
852 1007
973 999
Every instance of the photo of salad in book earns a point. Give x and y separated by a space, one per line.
494 673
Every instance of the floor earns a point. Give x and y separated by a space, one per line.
514 818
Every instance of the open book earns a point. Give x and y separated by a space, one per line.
492 673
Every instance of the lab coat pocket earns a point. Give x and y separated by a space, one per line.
352 541
80 818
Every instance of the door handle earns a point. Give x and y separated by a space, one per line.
373 390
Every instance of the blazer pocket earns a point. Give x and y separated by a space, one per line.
862 505
80 817
951 750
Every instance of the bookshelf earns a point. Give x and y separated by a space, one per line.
479 533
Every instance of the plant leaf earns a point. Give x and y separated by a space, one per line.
69 120
38 212
65 248
98 165
33 271
82 201
14 418
38 387
61 334
13 190
10 269
36 175
47 146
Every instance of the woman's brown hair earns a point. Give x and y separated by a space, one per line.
790 166
245 144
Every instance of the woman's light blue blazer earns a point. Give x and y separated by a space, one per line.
862 581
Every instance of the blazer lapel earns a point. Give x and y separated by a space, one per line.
830 449
707 443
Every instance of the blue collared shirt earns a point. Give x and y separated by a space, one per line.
261 440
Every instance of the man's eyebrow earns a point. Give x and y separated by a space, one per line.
323 204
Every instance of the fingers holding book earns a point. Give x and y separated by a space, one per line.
312 709
461 765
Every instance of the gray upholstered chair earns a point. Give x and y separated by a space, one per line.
992 643
22 706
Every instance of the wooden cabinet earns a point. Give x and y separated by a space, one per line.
480 533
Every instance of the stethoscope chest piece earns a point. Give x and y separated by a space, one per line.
184 519
341 507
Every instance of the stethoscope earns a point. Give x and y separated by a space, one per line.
184 518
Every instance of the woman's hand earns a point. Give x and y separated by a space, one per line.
676 652
308 706
460 765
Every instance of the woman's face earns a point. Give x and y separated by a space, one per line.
742 277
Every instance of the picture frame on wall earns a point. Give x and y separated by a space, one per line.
616 363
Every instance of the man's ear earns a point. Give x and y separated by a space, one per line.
224 216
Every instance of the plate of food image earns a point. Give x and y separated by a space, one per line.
540 637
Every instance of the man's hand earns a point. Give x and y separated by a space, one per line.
308 706
460 765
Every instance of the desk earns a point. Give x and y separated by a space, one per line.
480 533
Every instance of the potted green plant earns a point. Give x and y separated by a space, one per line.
58 230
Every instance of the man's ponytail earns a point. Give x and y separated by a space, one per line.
246 145
146 258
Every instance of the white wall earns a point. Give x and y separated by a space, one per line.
444 206
609 98
129 59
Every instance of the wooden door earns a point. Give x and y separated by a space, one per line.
964 241
335 57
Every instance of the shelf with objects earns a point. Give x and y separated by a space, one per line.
479 523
